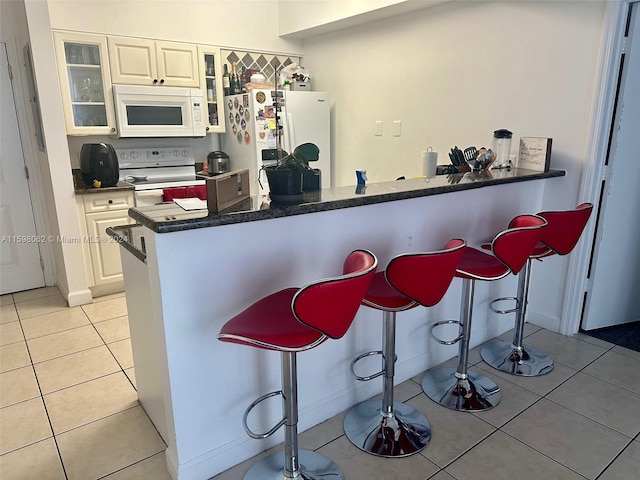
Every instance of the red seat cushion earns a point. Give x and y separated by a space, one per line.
511 249
298 319
270 323
383 296
480 265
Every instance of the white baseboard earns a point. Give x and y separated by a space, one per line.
80 297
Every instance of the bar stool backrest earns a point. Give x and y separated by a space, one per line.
330 305
565 228
514 245
425 277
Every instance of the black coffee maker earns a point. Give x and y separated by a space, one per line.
99 165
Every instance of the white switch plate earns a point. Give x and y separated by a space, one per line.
397 128
378 132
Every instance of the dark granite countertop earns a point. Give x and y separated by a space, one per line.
81 188
131 238
169 217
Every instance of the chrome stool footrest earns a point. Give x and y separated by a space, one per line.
525 361
473 393
401 433
373 375
445 322
250 432
505 299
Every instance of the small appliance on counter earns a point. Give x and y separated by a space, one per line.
218 163
99 165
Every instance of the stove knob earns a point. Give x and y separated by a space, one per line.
184 153
176 153
123 155
134 154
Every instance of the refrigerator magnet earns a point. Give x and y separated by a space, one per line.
245 100
241 110
237 118
243 124
236 102
260 97
247 138
239 137
230 104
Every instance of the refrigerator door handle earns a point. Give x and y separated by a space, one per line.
290 135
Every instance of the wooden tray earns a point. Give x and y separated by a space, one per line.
224 191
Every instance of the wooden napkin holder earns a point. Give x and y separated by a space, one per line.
227 189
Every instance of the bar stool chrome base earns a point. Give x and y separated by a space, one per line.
313 466
526 361
473 394
401 433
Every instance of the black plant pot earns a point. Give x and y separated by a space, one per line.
284 181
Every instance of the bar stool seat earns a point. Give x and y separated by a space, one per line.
559 237
294 320
458 388
387 428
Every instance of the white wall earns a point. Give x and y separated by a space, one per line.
250 24
301 18
58 184
452 74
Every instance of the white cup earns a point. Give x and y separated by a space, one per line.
429 162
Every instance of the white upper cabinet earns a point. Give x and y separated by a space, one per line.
138 61
85 83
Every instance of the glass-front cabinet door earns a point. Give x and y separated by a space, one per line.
211 84
85 82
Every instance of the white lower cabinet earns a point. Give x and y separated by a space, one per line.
101 252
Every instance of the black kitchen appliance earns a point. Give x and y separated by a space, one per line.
99 165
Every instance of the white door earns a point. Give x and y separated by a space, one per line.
20 267
612 297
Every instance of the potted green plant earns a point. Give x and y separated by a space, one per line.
286 176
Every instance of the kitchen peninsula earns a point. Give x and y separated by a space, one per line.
188 272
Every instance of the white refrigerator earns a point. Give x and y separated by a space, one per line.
251 136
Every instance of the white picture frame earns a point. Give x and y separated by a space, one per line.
535 153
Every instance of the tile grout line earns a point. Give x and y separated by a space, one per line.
44 404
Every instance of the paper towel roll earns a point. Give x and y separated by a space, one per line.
429 162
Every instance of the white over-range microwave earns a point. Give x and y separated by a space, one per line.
155 111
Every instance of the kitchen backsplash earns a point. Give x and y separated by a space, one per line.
267 63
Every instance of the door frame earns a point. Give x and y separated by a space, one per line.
614 24
29 152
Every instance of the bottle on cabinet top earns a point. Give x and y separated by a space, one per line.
234 82
226 81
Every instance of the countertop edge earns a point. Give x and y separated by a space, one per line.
173 224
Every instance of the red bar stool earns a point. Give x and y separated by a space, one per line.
559 237
290 321
388 428
458 388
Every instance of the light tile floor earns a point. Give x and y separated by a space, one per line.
69 409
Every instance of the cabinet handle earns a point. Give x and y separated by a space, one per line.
162 80
113 130
207 129
155 80
110 202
